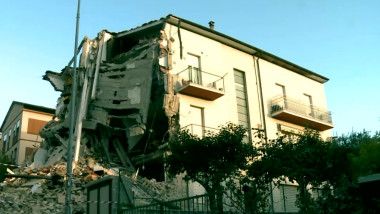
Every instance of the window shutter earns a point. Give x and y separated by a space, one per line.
35 126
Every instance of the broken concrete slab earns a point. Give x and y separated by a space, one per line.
171 104
40 158
33 182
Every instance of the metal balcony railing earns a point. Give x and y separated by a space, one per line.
281 107
194 82
199 129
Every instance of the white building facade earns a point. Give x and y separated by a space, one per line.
220 80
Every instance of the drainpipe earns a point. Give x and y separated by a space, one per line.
263 119
180 39
261 98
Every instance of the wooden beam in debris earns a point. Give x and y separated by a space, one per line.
145 158
104 142
61 139
123 155
27 176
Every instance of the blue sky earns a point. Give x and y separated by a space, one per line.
339 39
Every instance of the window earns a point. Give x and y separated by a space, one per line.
280 90
316 192
309 105
194 69
35 126
242 100
197 116
289 197
16 131
15 156
5 143
10 138
287 129
28 151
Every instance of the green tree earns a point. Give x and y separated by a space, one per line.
210 160
351 156
301 158
367 159
3 168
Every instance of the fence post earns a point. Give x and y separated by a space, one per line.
161 208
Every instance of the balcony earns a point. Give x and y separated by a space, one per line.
200 84
199 130
297 112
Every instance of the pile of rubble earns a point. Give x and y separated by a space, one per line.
39 191
42 190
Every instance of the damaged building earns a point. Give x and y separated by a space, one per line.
138 87
121 94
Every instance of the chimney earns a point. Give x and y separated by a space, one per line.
211 24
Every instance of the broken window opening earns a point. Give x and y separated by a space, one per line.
117 122
123 112
118 101
116 76
153 170
120 45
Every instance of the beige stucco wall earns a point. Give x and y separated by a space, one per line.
33 115
30 140
14 115
25 139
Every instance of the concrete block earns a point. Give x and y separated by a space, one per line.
40 158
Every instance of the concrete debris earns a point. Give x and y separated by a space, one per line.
29 194
121 92
98 169
10 171
40 158
36 187
56 155
171 104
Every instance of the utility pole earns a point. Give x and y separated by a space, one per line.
72 119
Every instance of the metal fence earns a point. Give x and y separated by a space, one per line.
195 204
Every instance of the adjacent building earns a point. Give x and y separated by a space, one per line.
20 130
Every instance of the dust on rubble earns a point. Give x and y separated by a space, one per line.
48 194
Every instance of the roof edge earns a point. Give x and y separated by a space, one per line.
29 107
242 46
